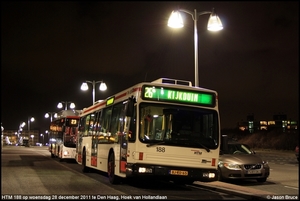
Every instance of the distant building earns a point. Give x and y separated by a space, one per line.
279 122
13 137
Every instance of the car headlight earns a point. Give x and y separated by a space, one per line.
232 166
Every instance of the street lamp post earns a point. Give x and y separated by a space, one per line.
214 24
51 115
85 87
32 136
60 104
43 138
22 124
47 134
30 119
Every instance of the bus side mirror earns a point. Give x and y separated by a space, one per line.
224 143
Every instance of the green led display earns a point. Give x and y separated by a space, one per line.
178 95
110 101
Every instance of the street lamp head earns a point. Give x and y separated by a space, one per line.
59 105
214 22
175 20
84 86
72 105
102 86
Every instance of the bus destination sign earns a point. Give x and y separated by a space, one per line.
178 95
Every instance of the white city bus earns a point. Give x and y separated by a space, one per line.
63 134
165 129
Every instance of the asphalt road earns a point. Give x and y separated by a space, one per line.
18 174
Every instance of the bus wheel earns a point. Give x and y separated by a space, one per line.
85 168
52 155
113 179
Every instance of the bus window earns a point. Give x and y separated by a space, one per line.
97 123
117 121
106 116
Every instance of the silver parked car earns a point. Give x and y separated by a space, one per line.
238 161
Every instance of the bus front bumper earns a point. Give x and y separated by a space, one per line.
171 172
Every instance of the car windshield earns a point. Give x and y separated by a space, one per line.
238 149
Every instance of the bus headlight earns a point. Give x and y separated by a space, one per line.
209 175
145 170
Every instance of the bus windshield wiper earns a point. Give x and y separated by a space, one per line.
157 143
207 149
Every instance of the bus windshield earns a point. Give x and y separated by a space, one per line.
70 137
178 126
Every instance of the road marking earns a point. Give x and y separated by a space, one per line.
291 187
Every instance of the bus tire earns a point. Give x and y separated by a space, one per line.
84 167
113 179
52 155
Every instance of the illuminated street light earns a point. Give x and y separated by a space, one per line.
214 24
60 105
51 115
85 87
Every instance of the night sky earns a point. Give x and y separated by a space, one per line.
49 48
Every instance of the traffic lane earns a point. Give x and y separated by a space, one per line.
27 171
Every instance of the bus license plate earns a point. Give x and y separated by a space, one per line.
254 171
179 172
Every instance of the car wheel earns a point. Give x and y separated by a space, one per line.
262 180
